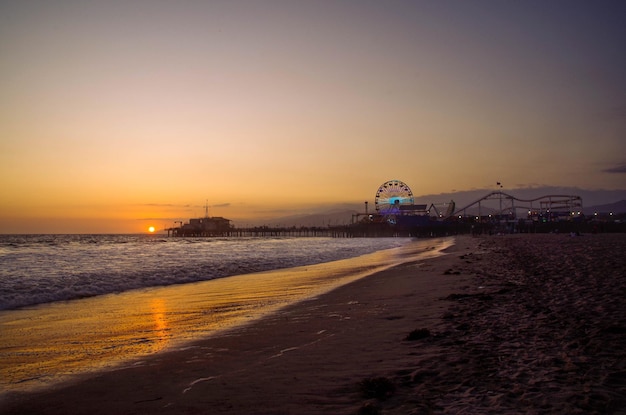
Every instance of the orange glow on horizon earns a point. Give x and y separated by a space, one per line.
90 144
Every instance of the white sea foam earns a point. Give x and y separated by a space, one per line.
37 269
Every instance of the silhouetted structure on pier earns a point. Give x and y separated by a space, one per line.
398 215
216 226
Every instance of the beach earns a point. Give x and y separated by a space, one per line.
501 324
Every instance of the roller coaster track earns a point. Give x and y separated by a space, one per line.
547 203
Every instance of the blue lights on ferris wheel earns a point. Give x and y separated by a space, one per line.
391 195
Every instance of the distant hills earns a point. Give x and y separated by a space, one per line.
603 201
332 217
617 207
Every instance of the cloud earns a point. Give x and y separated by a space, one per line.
158 219
221 205
617 169
164 205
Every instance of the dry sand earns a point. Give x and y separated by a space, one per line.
503 324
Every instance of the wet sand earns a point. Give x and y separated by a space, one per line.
503 324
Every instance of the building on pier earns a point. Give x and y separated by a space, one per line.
207 226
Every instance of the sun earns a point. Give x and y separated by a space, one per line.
151 229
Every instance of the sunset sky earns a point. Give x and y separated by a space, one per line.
119 114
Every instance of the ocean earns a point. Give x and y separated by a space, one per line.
71 304
36 269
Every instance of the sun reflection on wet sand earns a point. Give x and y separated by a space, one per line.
157 307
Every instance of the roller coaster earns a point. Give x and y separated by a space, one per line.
500 205
395 205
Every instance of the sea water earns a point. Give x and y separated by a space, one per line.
36 269
78 303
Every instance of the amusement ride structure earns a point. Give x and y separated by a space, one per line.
395 205
546 208
391 196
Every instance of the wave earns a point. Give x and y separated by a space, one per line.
36 269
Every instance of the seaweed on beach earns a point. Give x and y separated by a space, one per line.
369 409
418 334
380 388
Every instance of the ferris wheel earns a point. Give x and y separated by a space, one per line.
391 195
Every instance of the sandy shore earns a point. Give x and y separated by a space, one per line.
508 324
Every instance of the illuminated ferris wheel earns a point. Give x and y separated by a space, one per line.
391 195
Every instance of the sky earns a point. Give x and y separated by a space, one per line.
117 115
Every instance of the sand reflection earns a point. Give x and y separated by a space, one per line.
161 329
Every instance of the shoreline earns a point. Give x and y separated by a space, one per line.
506 324
271 333
45 345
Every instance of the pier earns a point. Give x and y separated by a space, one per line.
359 230
263 231
397 215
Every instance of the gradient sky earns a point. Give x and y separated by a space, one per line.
115 113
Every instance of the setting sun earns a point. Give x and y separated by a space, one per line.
151 229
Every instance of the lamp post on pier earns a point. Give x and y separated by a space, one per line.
499 184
